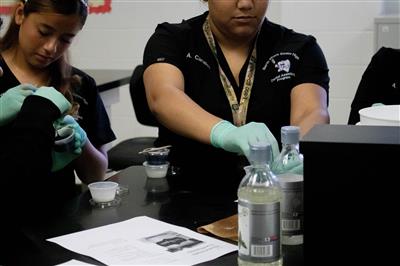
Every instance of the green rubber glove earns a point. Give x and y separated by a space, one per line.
377 104
80 134
62 157
11 102
236 139
292 165
55 96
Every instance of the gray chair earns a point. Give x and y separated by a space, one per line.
126 153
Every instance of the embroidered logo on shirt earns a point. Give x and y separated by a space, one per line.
198 58
281 63
283 66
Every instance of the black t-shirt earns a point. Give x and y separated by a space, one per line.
284 59
92 118
380 83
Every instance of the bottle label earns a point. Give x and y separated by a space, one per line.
292 204
259 231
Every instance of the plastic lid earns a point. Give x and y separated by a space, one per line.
260 152
383 115
290 134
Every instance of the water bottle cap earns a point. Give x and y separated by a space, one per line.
290 134
260 152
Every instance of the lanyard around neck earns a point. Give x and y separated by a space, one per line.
239 110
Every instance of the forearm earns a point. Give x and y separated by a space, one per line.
172 107
308 120
183 116
308 107
92 164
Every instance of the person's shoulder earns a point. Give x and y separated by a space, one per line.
83 83
85 77
182 27
284 35
385 59
388 53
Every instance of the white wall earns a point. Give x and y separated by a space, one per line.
343 28
117 40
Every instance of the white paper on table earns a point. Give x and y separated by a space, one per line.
74 263
145 241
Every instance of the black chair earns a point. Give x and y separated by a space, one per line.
126 153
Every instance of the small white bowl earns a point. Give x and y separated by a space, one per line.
156 171
103 191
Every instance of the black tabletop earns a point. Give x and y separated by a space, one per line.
150 197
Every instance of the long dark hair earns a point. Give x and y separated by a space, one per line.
60 70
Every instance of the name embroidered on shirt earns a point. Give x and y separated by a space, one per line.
199 59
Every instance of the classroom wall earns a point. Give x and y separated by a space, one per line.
344 30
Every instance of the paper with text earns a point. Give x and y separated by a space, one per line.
145 241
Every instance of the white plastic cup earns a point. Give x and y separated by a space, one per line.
65 140
156 171
103 191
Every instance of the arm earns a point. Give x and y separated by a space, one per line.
308 106
92 164
167 100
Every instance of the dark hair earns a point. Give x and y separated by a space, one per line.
60 70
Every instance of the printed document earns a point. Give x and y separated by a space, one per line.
145 241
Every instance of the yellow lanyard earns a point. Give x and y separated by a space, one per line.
239 110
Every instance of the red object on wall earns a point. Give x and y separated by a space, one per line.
94 7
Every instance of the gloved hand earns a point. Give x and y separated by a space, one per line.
292 164
80 134
11 102
55 96
377 104
63 158
236 139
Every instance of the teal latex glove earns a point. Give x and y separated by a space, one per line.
55 96
292 165
377 104
80 134
63 158
236 139
11 102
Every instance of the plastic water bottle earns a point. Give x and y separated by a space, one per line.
259 197
288 167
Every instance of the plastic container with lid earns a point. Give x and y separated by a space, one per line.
382 115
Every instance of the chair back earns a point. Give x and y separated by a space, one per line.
139 100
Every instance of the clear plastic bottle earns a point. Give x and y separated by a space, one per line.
288 167
259 211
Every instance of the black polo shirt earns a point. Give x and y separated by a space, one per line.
284 59
380 83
